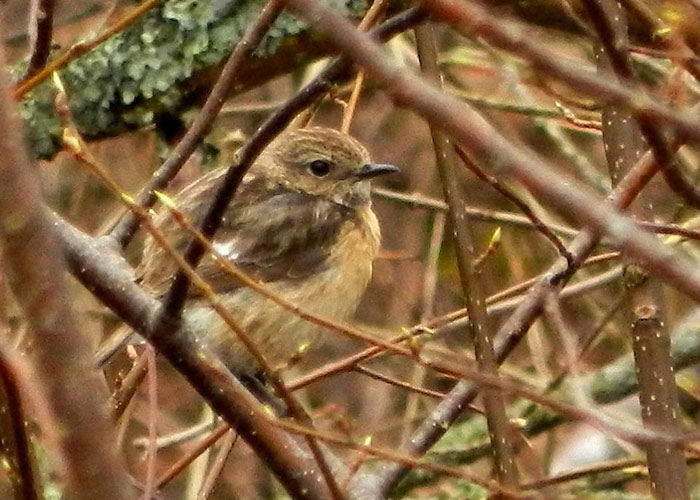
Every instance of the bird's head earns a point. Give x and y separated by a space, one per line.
322 162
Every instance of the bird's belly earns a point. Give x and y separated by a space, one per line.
278 333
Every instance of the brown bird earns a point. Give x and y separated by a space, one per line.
301 223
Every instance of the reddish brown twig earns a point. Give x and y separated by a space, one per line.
127 226
61 349
81 48
41 35
515 199
480 328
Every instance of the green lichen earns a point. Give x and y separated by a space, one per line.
146 70
43 128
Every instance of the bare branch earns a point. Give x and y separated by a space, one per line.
61 349
479 329
127 226
41 34
624 145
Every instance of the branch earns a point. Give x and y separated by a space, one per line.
480 328
483 141
61 349
97 265
623 145
41 34
15 446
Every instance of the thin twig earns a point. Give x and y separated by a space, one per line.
179 437
419 200
574 120
430 277
510 195
480 328
120 398
218 465
151 449
127 226
514 107
40 34
82 48
349 111
396 382
586 343
186 460
375 10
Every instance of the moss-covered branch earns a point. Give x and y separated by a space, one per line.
163 63
168 60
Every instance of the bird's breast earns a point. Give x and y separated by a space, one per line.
332 291
337 290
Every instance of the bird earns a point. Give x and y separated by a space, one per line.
301 223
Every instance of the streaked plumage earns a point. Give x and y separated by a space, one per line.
309 235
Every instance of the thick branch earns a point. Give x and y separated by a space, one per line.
657 388
101 272
484 142
60 348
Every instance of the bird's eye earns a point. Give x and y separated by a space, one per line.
320 168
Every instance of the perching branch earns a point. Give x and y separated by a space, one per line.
83 442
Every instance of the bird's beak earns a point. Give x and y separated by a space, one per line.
374 169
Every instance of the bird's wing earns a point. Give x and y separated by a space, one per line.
271 233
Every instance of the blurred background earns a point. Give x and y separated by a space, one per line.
415 279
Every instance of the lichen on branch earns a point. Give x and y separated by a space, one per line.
164 63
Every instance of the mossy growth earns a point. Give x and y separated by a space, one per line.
149 69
